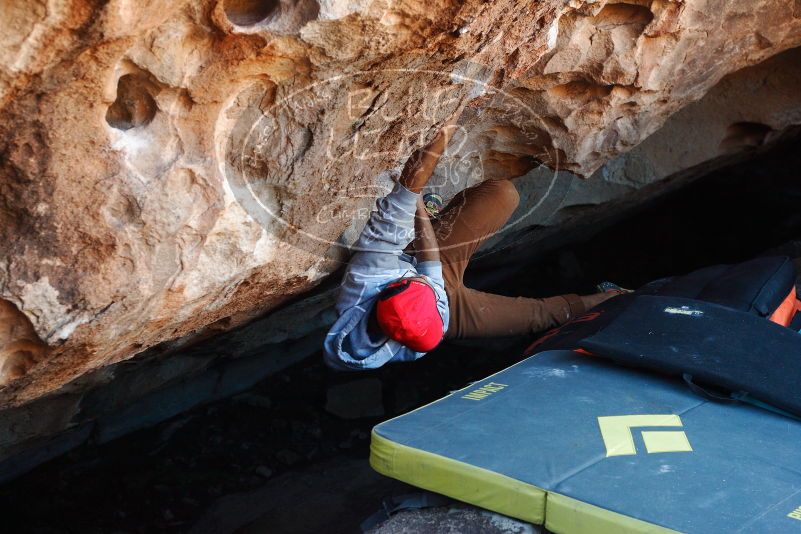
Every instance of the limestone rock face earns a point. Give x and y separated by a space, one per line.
169 169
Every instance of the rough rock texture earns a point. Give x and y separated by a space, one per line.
741 115
459 518
169 169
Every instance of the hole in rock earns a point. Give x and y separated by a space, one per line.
612 15
135 105
581 90
250 12
289 454
20 346
532 142
742 135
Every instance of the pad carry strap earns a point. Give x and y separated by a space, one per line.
707 393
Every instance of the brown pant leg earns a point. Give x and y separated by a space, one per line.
470 218
475 314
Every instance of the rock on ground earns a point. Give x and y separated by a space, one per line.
458 519
355 399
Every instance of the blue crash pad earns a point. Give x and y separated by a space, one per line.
582 445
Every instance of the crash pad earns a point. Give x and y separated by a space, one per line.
581 445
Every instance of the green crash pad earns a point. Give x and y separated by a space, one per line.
584 446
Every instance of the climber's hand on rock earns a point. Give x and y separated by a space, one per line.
421 164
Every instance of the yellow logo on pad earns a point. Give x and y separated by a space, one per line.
616 432
484 391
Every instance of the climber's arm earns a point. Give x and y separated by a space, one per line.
391 226
420 165
425 240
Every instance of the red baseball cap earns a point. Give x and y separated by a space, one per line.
407 312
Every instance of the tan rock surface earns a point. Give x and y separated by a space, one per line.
173 168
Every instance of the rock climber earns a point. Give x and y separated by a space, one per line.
403 290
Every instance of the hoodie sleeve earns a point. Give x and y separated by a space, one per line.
433 271
391 227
